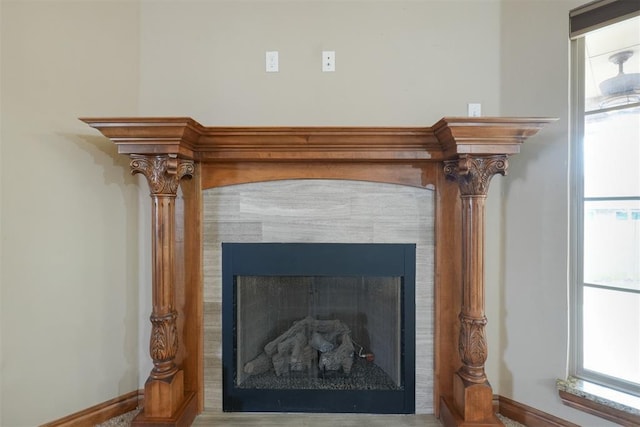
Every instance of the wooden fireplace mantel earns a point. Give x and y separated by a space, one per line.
457 157
186 138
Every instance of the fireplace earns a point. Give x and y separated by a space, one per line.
456 157
319 327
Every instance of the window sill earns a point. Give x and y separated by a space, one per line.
600 401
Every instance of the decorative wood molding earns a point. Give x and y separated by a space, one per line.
485 135
100 413
472 398
472 347
529 416
164 344
182 416
189 289
475 149
186 138
473 174
163 172
164 390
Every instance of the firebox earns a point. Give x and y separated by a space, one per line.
318 327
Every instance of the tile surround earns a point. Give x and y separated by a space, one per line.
319 211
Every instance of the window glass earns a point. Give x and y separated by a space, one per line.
611 250
611 342
611 153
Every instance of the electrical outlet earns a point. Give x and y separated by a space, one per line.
474 110
328 61
272 61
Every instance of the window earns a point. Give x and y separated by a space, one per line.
606 195
609 292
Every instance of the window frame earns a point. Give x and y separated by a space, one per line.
576 180
576 205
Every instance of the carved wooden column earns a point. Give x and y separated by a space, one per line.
472 395
164 389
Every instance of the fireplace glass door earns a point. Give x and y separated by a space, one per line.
339 338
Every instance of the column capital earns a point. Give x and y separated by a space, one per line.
163 172
474 174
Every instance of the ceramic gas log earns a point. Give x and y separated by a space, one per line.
296 350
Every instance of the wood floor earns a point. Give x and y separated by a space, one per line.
313 420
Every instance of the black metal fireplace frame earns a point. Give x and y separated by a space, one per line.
319 259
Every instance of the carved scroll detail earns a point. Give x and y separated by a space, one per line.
472 346
163 173
474 174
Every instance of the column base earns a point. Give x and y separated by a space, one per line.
162 397
471 405
473 401
166 404
450 417
183 416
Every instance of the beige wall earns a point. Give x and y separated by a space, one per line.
73 221
69 209
398 62
534 305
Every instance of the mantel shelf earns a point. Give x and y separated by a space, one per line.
188 139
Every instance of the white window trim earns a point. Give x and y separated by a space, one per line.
576 191
576 212
578 380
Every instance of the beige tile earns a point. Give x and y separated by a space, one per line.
314 420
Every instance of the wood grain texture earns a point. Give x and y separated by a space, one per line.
183 416
188 260
164 389
320 211
100 413
229 173
187 138
472 393
451 417
448 292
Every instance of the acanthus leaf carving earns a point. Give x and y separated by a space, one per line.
163 172
164 343
474 174
472 347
